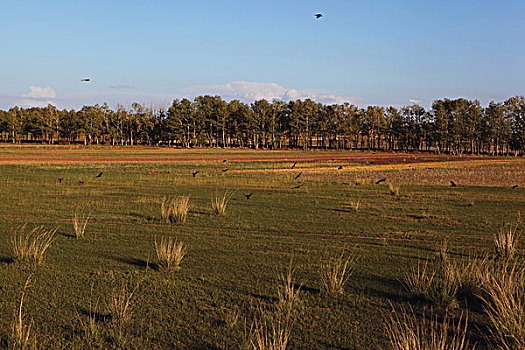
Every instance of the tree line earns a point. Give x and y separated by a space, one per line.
454 126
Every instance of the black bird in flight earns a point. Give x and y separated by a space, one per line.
81 182
293 166
293 188
318 15
225 170
195 173
297 176
380 180
453 184
224 161
248 195
99 174
60 180
86 79
340 167
515 186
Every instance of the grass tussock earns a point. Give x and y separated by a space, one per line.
80 221
506 241
20 338
418 280
175 210
356 204
29 246
90 327
220 202
170 253
335 272
272 330
394 190
406 331
120 305
504 299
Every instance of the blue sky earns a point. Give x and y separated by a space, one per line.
364 52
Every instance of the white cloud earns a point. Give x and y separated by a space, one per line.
37 97
41 92
251 91
412 100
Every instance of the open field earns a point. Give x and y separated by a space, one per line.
232 262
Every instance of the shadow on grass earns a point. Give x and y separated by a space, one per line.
68 235
265 298
306 289
99 316
144 218
136 262
6 260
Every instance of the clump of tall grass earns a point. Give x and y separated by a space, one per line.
175 210
356 204
170 253
90 328
272 330
120 305
29 246
394 190
506 241
504 299
418 280
220 202
335 272
20 331
80 221
408 332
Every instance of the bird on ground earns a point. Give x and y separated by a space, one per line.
248 195
318 15
515 186
60 180
340 167
99 174
380 180
453 184
224 161
195 173
293 188
293 166
85 79
297 176
225 170
81 182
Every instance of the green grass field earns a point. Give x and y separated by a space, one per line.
232 261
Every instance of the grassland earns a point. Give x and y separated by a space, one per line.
232 261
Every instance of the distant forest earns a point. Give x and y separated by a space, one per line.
454 126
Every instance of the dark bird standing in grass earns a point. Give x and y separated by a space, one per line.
60 180
515 186
380 180
81 182
453 184
195 173
225 170
297 176
248 195
293 188
99 174
293 166
224 161
318 15
340 167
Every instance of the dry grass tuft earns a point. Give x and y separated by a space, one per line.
356 204
504 299
335 272
506 241
170 253
220 202
80 221
394 189
418 280
21 332
29 247
175 210
120 306
408 332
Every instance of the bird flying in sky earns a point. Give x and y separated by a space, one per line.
318 15
85 79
